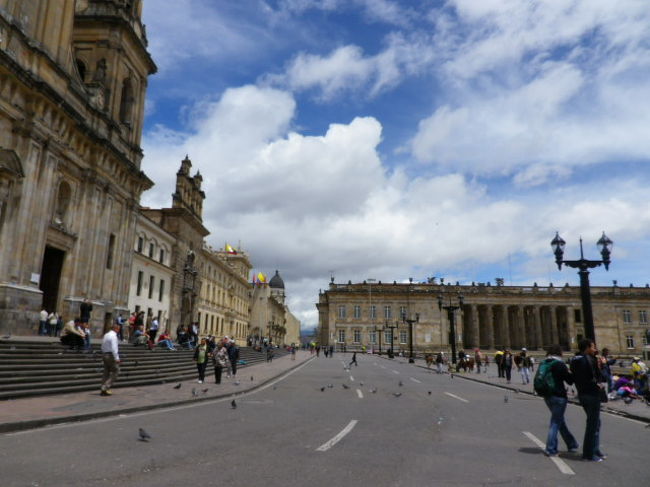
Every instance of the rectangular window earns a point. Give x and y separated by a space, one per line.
341 336
387 313
151 251
577 315
138 289
111 249
630 341
387 334
357 336
357 311
162 256
402 312
341 311
644 338
373 337
403 336
643 317
373 312
627 316
151 283
161 291
140 244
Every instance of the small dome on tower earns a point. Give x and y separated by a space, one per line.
276 281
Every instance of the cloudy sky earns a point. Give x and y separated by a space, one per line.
392 139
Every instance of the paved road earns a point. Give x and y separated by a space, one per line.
292 434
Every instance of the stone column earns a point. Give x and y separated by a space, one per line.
521 318
502 320
553 319
537 327
474 324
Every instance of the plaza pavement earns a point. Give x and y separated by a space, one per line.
636 410
35 412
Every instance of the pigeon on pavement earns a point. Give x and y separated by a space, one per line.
345 386
205 391
429 392
233 404
397 394
178 386
144 436
251 378
400 384
374 391
330 386
322 389
505 398
194 393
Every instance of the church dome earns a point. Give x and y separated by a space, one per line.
276 281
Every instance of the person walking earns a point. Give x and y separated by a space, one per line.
590 385
549 383
220 360
506 364
524 366
153 329
498 359
111 358
605 362
42 324
233 356
439 361
52 321
354 360
478 360
201 359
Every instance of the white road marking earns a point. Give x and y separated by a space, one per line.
352 378
559 463
329 444
395 372
359 393
456 397
415 380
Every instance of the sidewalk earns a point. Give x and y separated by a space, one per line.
28 413
636 410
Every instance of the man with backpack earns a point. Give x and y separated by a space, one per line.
549 381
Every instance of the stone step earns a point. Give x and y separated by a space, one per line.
35 369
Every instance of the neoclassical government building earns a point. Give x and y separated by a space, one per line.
491 316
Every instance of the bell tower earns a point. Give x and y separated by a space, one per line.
189 194
109 47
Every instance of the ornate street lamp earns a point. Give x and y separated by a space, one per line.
604 244
451 316
391 328
406 318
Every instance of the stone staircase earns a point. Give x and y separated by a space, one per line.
37 368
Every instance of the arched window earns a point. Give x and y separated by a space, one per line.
126 101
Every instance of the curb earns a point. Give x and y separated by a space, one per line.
78 418
616 412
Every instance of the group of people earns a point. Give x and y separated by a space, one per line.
223 353
524 364
588 373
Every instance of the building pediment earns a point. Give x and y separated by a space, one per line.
10 163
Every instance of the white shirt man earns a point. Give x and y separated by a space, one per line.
111 357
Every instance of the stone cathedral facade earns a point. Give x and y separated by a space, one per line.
73 78
356 314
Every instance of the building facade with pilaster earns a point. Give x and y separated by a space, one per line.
73 78
490 317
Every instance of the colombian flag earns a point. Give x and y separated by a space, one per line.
230 250
261 278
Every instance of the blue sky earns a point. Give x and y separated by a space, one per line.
395 139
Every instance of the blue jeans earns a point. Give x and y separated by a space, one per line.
557 406
591 405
